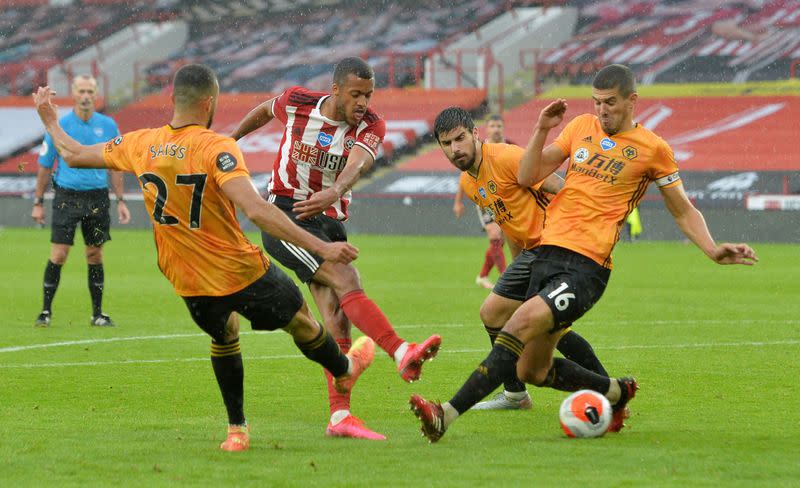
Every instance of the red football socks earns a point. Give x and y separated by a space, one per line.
338 401
370 320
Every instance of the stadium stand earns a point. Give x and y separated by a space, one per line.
274 50
682 41
36 36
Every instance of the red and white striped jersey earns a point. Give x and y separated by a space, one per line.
314 148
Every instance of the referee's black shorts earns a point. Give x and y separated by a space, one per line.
89 208
304 263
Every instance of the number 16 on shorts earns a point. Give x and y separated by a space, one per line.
561 300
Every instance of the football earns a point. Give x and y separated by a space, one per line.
585 413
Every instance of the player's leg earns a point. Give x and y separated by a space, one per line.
530 320
576 348
62 236
496 241
274 302
506 297
96 229
370 319
345 282
342 422
215 316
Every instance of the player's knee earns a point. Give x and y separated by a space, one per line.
58 255
94 255
345 279
492 314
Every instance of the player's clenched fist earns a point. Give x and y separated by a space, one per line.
340 252
552 115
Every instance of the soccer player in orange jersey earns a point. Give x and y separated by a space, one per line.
192 180
494 255
612 162
489 179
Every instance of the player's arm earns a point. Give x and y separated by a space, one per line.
42 177
538 161
693 226
74 153
359 161
118 185
255 119
552 184
272 220
458 202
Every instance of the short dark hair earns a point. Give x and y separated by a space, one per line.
496 117
352 66
616 76
192 83
452 118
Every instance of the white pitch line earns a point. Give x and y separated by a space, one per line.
446 351
403 326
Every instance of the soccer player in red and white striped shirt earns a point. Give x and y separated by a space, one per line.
329 141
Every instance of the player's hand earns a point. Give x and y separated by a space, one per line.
340 252
318 203
37 214
123 214
727 253
42 99
493 231
552 115
458 208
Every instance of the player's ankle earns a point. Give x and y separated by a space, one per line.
400 353
338 416
450 414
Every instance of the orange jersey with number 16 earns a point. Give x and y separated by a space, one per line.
201 248
606 179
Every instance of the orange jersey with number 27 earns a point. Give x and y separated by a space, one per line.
201 248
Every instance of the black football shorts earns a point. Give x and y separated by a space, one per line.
88 208
516 279
304 263
570 283
269 303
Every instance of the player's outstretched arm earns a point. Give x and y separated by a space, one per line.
75 154
256 118
538 161
272 220
693 226
359 161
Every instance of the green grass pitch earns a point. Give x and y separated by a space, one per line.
716 350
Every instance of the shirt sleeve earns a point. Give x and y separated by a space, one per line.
371 137
227 161
47 153
121 152
280 103
665 170
564 139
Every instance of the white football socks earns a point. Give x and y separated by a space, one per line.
338 416
400 353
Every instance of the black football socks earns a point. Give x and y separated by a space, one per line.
575 348
500 365
96 281
512 384
324 350
226 359
52 275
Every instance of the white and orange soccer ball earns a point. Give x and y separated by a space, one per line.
585 413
